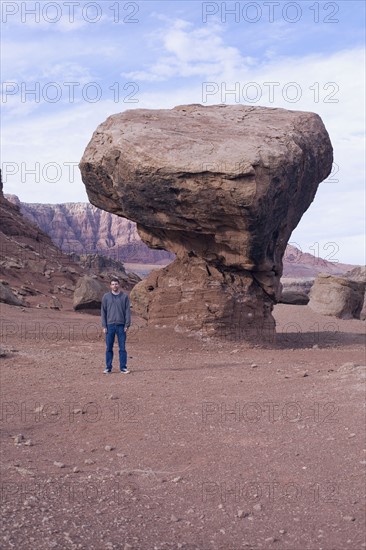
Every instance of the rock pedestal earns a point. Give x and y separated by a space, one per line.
222 187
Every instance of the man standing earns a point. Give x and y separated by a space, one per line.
116 319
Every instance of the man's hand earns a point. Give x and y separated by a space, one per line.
105 331
126 329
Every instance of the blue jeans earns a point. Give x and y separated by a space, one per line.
112 330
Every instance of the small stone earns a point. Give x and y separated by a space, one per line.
271 539
28 443
177 479
257 507
174 518
39 409
254 365
18 439
282 531
305 374
241 514
315 346
108 448
59 464
351 435
75 470
349 518
113 397
89 461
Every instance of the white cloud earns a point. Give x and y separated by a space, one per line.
192 52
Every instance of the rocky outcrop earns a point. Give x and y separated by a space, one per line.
359 274
106 267
30 262
337 296
88 293
222 187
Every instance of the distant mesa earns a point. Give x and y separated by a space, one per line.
222 187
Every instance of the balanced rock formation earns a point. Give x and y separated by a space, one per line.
222 187
337 296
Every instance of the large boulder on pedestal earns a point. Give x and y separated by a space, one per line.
337 296
222 187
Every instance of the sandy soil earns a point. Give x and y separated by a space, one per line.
205 445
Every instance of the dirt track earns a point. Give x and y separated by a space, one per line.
205 445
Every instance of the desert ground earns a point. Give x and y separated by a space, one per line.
204 445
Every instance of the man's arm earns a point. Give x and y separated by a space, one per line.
127 312
103 312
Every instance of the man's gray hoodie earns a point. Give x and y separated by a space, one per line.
115 309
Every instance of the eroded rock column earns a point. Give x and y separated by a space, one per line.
222 187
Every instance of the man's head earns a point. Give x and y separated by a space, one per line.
114 284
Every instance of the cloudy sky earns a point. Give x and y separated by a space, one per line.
67 65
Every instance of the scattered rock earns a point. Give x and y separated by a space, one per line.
337 296
292 297
88 293
55 303
59 464
108 448
7 296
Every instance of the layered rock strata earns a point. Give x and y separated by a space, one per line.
222 187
